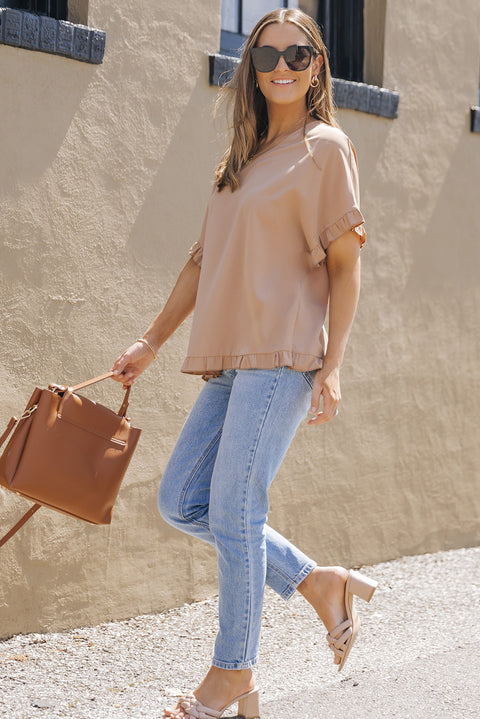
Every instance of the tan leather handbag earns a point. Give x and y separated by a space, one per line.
68 453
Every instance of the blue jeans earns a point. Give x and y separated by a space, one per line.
215 487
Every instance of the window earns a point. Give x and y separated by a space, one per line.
239 18
58 27
57 9
341 22
475 116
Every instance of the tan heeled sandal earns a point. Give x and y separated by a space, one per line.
248 707
341 639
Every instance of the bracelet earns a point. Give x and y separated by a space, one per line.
147 343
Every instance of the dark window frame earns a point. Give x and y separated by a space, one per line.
342 25
57 9
40 32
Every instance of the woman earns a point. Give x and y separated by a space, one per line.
281 237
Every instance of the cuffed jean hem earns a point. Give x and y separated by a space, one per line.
234 665
290 590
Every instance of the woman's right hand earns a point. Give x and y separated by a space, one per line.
132 363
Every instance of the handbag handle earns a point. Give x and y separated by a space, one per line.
123 409
35 507
100 378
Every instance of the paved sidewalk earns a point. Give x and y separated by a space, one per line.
417 656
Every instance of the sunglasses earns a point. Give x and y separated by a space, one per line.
297 57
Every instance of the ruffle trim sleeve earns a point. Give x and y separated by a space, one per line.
351 220
196 253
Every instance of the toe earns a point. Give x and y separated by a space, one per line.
174 713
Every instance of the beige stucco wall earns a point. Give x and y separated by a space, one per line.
103 182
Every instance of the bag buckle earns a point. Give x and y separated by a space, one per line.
57 388
28 412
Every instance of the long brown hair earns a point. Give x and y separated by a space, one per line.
249 117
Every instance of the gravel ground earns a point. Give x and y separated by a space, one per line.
417 656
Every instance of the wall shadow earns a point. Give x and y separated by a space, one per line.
447 253
40 96
178 194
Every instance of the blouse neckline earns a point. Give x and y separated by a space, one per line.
283 137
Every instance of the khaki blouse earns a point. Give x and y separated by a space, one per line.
263 288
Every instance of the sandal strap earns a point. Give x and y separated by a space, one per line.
340 629
338 638
197 710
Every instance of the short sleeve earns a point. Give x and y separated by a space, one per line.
335 194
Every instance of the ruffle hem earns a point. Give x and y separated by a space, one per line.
270 360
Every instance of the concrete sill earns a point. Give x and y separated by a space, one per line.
350 95
59 37
475 119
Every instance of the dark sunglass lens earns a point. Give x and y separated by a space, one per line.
264 58
301 58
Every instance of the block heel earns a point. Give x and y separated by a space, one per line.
249 706
361 586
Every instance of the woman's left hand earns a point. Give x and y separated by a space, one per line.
326 390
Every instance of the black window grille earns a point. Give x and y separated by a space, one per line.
341 22
57 9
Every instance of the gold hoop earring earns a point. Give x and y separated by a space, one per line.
314 82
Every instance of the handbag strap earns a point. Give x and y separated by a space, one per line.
35 507
10 426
